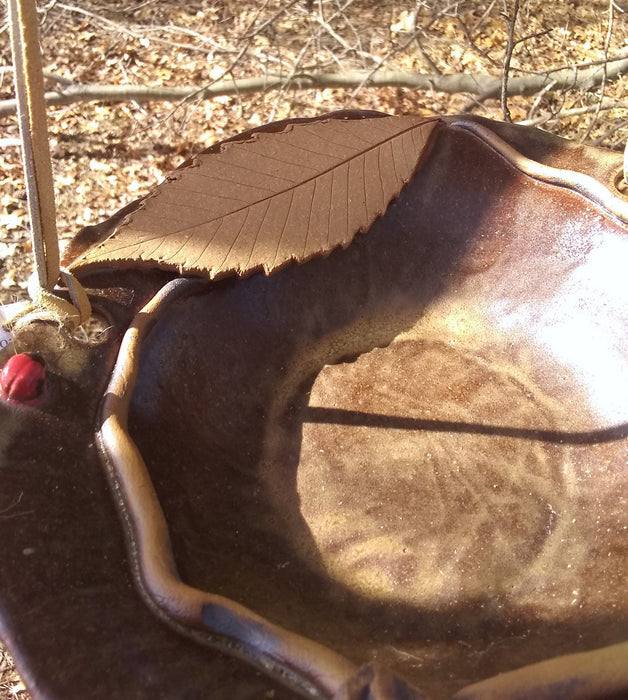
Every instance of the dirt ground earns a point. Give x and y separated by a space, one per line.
106 154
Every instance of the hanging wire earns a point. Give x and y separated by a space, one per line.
29 86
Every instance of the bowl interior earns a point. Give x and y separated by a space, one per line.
413 450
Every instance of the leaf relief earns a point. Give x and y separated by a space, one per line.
259 203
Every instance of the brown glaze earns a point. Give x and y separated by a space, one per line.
312 668
411 453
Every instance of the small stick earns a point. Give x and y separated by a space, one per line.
509 48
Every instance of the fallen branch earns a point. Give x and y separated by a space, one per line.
486 86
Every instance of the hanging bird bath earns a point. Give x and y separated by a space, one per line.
359 420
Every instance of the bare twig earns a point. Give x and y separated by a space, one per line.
203 90
294 72
507 58
537 100
574 112
607 41
609 132
417 35
367 80
482 19
255 31
140 31
583 64
47 74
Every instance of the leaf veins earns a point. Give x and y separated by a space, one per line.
275 197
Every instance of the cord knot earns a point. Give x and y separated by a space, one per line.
46 305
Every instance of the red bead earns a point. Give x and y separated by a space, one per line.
22 379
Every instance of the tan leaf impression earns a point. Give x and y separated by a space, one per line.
275 197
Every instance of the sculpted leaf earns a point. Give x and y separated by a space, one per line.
264 201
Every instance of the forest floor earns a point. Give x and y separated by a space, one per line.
106 154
